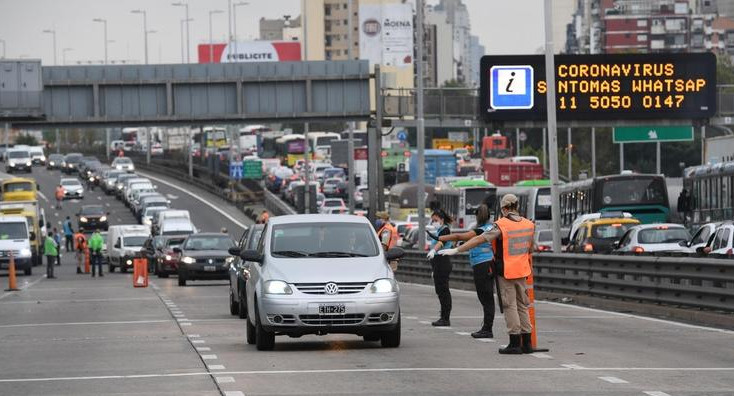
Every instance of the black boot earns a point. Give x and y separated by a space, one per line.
513 348
79 270
527 343
484 332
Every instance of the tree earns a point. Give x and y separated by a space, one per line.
26 139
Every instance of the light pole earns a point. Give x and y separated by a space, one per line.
53 33
3 41
550 77
211 43
350 126
234 22
104 21
187 20
145 31
420 124
63 54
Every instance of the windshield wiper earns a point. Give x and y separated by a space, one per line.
290 253
336 254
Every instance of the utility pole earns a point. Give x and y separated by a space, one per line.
58 141
63 55
186 6
149 132
621 157
52 32
703 144
350 143
593 152
420 123
4 44
104 21
234 23
545 149
570 148
190 145
107 140
211 43
657 158
145 31
550 77
517 141
306 171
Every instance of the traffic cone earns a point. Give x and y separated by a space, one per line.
87 261
530 282
12 286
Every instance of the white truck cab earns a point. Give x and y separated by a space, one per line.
124 242
16 238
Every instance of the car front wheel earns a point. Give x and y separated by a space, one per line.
234 306
264 340
243 304
391 339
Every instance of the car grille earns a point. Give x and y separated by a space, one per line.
6 253
332 320
319 288
219 260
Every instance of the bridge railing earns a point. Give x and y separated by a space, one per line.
700 283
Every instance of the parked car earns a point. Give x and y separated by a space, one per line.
204 256
92 217
599 235
320 274
654 238
73 188
239 271
124 164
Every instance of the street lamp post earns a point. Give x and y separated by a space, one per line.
63 54
104 21
53 33
145 31
186 5
211 43
234 22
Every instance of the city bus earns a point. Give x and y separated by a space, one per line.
403 200
250 137
710 188
534 203
214 139
461 198
320 143
290 148
644 196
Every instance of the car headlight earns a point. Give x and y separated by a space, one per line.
12 164
277 287
51 163
229 260
119 187
103 218
83 219
25 252
28 163
168 257
188 260
118 167
384 286
146 221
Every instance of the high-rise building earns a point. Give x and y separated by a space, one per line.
457 15
280 29
442 59
326 27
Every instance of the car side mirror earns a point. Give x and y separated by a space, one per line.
32 236
251 255
394 253
616 244
177 250
234 251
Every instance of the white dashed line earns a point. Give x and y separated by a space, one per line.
183 320
424 322
613 380
541 355
485 340
411 317
443 327
573 366
194 336
198 341
234 393
224 380
655 393
100 198
203 349
215 367
462 333
209 357
185 324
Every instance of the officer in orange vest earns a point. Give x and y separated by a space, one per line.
515 234
388 235
80 246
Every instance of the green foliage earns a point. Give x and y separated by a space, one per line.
26 139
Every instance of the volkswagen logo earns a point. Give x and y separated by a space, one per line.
331 288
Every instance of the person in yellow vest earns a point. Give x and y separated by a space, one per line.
51 252
514 248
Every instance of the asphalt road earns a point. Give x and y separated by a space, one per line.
81 336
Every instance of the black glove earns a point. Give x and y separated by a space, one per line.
432 235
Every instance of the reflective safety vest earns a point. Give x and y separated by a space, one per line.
483 252
59 193
517 238
80 241
388 235
447 244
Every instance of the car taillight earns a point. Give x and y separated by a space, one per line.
638 249
729 252
543 248
588 247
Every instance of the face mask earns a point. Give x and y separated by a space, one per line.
436 224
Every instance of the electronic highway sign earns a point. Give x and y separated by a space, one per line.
600 87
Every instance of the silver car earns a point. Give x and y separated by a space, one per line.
321 274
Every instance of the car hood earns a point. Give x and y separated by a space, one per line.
73 188
319 270
205 253
14 244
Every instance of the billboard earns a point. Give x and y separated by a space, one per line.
386 34
600 87
251 51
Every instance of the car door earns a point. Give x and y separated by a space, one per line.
720 239
624 241
235 268
255 273
700 237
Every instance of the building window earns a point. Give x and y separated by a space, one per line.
346 22
327 9
641 22
641 37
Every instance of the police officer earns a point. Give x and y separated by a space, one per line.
80 244
441 266
514 247
388 235
51 252
95 248
480 259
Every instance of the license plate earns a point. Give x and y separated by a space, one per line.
332 308
210 268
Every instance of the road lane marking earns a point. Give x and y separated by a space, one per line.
613 380
203 349
193 336
198 341
86 323
655 393
209 357
376 370
224 380
462 333
234 393
425 322
485 340
185 324
573 366
23 287
43 196
201 199
80 300
215 367
410 317
541 355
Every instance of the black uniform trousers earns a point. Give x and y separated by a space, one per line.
442 267
485 292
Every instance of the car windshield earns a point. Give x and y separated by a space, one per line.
663 235
56 157
610 231
13 231
333 203
92 211
209 243
545 236
73 158
20 186
323 240
150 212
123 161
71 182
134 240
18 154
175 242
634 191
155 204
333 181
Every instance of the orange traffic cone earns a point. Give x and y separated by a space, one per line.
530 281
87 261
12 286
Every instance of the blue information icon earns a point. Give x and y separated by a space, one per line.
511 87
402 136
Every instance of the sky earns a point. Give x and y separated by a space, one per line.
503 27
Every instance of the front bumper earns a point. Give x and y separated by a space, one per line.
74 194
94 224
21 263
199 271
20 167
299 313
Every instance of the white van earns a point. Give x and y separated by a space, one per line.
176 226
37 155
123 243
169 214
14 236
